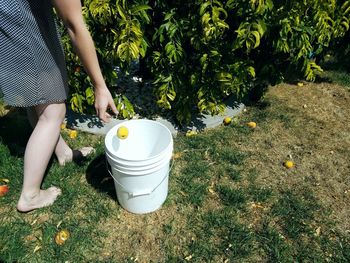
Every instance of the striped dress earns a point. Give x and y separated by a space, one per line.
32 65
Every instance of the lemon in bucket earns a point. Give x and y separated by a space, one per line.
122 132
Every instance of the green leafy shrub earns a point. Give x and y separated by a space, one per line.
117 30
340 48
197 53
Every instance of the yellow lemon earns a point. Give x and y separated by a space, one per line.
61 237
252 124
122 132
73 134
288 164
5 180
300 84
191 133
227 120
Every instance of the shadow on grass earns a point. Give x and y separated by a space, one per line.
98 177
74 119
15 131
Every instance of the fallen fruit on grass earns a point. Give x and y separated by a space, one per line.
227 120
300 84
73 134
288 164
251 124
191 133
122 132
3 189
61 237
63 126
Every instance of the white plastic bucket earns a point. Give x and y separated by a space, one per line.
139 164
126 167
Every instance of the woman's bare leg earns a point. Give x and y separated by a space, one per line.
39 149
63 152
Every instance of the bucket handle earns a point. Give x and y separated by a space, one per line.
140 193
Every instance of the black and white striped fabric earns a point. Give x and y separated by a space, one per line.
32 66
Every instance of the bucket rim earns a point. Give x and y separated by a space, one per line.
111 133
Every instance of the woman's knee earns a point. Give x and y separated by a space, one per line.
51 112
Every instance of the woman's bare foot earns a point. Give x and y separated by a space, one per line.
43 198
75 155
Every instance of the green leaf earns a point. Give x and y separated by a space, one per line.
89 94
139 8
257 38
203 7
171 95
251 71
121 12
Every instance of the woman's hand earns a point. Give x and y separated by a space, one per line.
103 102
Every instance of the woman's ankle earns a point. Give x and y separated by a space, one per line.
64 156
28 195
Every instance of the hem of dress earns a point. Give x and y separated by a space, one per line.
35 104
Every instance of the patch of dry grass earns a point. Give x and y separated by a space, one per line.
317 139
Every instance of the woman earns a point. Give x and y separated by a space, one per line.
33 75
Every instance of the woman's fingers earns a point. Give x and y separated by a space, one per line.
103 103
113 107
104 115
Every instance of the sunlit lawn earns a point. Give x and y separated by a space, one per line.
230 197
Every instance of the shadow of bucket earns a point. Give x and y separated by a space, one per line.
139 164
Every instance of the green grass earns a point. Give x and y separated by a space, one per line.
221 207
340 77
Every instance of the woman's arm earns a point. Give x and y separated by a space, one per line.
70 11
